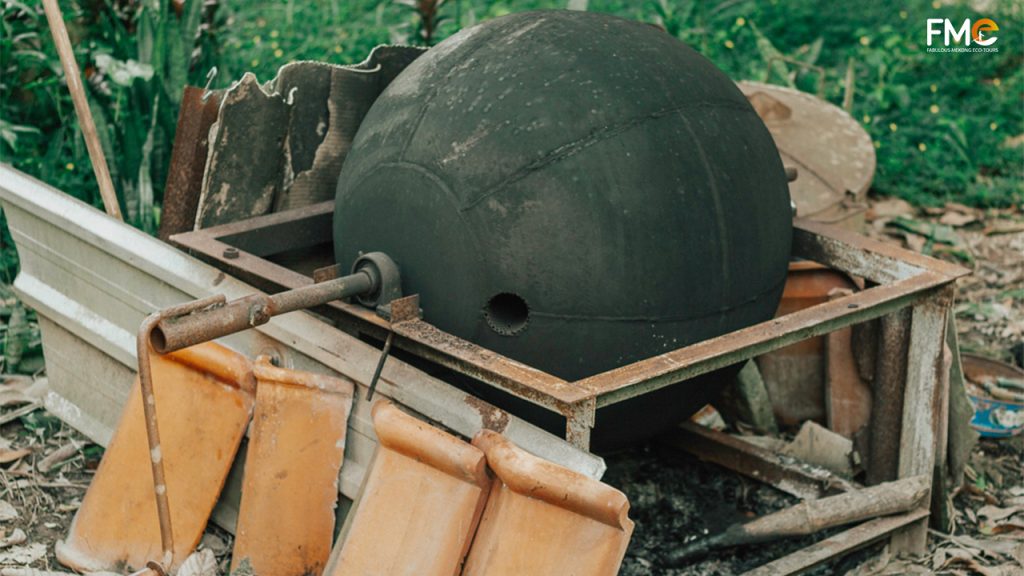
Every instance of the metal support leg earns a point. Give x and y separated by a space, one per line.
578 422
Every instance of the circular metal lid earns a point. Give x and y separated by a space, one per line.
833 154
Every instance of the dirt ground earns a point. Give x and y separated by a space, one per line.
45 467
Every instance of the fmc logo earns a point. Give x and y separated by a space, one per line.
960 39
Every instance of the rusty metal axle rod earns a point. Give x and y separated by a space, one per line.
375 277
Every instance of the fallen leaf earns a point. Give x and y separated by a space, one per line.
1004 227
22 555
997 513
201 563
8 455
16 537
7 511
890 207
957 219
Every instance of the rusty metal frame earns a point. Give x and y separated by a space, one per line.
900 285
903 279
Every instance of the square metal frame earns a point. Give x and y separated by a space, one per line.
912 294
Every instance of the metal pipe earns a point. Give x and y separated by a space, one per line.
149 325
171 333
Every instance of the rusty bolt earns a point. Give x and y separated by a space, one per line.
231 252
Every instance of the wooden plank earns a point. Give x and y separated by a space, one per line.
887 412
793 477
921 405
835 546
858 255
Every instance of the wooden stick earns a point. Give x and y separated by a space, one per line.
74 80
835 546
811 516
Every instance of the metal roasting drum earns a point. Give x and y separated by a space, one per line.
576 192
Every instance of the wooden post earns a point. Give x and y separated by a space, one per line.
922 406
887 397
74 80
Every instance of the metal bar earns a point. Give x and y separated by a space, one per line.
786 474
143 340
303 228
887 388
417 337
835 546
578 422
175 333
671 367
921 404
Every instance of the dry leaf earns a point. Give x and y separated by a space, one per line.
7 455
915 242
201 563
957 219
7 511
996 513
22 555
1004 227
16 537
889 208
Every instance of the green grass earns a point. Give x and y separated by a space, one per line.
939 121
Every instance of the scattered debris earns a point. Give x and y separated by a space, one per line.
14 538
201 563
818 445
7 511
57 457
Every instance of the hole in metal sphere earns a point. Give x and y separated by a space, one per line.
507 313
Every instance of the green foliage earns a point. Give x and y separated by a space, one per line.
135 57
940 122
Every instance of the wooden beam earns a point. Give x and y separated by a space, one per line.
786 474
922 405
74 80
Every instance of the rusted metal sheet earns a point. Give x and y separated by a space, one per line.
419 507
188 160
205 399
833 154
785 473
847 396
291 158
290 490
542 519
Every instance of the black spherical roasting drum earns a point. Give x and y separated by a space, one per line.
576 192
